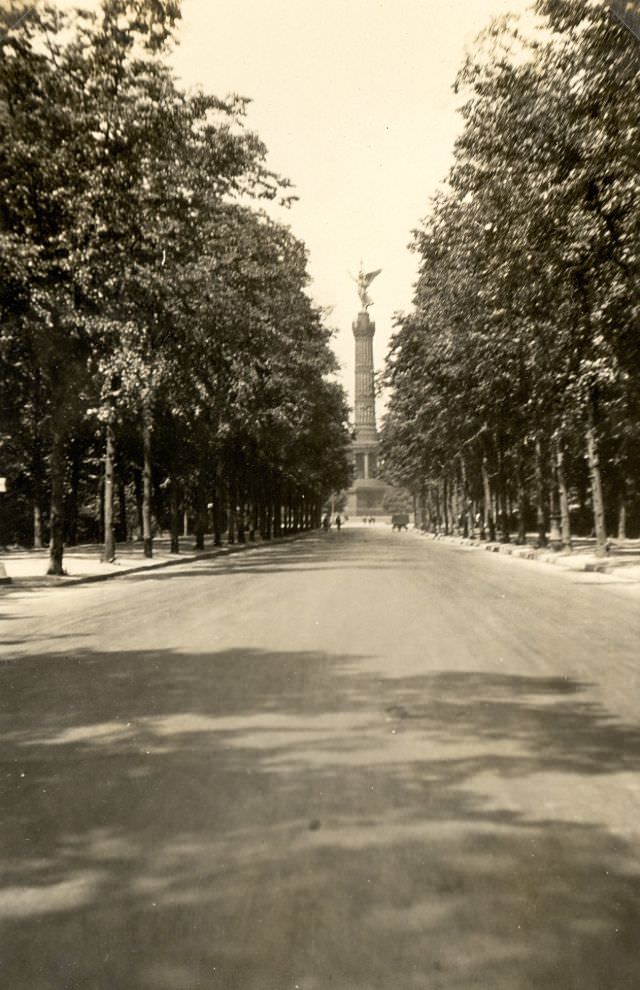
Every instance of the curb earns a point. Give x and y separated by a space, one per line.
531 553
55 581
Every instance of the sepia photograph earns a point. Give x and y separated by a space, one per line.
320 494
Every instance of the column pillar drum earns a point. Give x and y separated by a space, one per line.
363 331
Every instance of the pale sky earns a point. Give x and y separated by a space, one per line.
353 99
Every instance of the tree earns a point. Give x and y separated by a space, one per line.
141 291
525 311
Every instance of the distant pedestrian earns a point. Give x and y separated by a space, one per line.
326 523
338 523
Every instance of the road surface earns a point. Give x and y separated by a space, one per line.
360 761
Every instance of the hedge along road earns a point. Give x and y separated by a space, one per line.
362 760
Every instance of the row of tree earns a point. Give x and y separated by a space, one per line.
515 381
159 353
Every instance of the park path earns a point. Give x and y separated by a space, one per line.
361 761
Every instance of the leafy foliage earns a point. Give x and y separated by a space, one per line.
524 336
143 291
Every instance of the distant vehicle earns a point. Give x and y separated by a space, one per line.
399 520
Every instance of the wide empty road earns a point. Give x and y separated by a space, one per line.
357 761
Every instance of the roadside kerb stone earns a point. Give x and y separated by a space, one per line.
69 581
568 561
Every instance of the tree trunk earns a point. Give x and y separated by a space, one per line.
522 497
99 518
147 425
218 506
242 523
467 508
123 528
56 520
540 508
37 465
433 508
623 488
501 495
453 506
37 474
174 514
445 504
109 551
597 499
489 532
565 517
454 488
277 513
37 526
231 510
199 536
284 526
269 501
422 507
71 502
622 517
555 535
137 488
255 516
264 507
262 515
201 516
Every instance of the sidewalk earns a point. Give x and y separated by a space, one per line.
27 568
623 558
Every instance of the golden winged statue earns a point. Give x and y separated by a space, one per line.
363 281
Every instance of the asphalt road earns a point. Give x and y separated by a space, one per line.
361 761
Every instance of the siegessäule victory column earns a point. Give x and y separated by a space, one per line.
365 497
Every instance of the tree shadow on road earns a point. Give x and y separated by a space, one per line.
344 551
252 820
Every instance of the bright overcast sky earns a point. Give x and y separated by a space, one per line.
353 100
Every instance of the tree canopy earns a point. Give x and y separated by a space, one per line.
154 318
520 362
